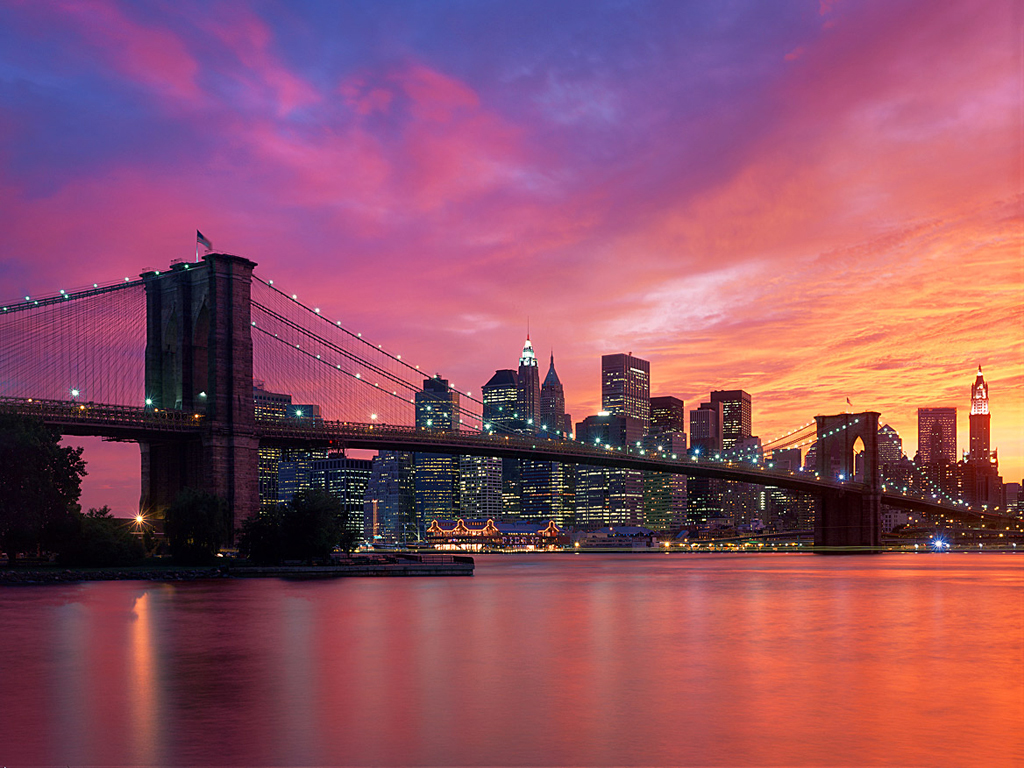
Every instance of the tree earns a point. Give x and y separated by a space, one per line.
196 524
308 528
40 482
314 524
98 540
262 537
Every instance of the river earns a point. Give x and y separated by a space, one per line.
621 659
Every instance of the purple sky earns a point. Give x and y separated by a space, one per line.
810 201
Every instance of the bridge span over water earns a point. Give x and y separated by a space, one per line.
173 370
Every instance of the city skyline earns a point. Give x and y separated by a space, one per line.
781 199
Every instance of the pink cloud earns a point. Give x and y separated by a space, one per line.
151 57
249 38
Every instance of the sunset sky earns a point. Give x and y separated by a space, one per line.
811 201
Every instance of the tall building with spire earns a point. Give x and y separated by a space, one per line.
552 403
529 387
980 420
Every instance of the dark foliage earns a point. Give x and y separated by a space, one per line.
308 528
40 482
100 541
196 525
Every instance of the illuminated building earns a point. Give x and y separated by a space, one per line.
706 429
936 436
668 414
436 475
501 415
664 499
480 486
389 508
529 387
548 491
737 415
281 473
890 446
980 419
501 402
347 480
474 535
980 483
609 496
626 388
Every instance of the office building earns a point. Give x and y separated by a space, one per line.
626 387
936 436
529 387
436 475
668 414
737 415
480 486
706 430
347 480
389 508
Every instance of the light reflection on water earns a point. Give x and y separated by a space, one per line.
536 660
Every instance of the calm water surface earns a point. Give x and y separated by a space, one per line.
536 660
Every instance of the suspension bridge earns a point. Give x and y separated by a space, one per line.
168 360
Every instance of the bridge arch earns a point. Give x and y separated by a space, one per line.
849 517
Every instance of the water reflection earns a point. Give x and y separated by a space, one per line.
586 660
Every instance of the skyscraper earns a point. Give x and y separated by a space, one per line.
936 436
436 475
529 387
501 401
552 403
706 429
626 387
980 419
668 414
736 415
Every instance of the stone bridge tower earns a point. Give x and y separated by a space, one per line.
851 516
199 360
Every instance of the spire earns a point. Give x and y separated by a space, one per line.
528 358
552 378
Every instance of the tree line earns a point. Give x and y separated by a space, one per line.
40 485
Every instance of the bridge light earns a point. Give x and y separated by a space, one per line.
202 394
74 392
270 282
373 416
317 310
294 297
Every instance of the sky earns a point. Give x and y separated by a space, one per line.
811 201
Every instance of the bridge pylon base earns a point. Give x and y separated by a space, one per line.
848 522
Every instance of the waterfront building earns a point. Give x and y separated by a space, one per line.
475 535
737 415
664 494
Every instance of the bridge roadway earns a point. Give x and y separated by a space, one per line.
133 423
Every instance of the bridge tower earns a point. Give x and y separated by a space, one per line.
199 360
849 517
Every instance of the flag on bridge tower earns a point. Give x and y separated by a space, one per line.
203 241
